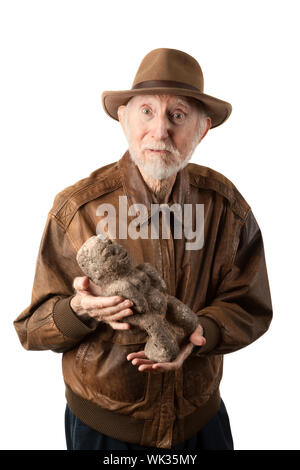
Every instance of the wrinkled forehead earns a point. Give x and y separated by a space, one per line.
169 99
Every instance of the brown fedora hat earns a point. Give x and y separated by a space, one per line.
169 72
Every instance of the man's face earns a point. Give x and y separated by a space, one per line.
162 132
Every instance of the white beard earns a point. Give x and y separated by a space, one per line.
161 166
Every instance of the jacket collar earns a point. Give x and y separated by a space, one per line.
138 192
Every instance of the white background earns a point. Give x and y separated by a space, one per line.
56 59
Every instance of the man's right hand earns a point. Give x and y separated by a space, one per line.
91 307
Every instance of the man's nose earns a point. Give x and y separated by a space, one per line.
160 127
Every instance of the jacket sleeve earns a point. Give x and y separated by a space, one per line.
49 322
242 310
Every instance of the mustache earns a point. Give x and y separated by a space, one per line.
159 146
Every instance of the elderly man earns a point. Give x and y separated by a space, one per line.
116 397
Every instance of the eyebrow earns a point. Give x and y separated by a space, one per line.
179 101
182 102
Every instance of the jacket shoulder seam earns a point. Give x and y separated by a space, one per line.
68 201
206 178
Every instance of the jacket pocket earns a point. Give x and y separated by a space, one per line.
201 377
104 368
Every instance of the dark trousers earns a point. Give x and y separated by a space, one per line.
215 435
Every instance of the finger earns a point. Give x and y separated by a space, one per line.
197 340
118 316
163 366
197 336
118 326
114 318
138 362
81 283
116 312
136 354
90 302
145 367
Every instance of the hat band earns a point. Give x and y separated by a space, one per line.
164 84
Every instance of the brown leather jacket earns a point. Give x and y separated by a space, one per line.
225 283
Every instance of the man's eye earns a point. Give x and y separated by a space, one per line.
146 110
178 116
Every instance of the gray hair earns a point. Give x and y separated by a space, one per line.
202 118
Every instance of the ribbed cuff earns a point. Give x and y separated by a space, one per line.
212 335
67 321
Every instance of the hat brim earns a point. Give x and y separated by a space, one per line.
218 110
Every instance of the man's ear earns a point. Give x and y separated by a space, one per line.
121 115
207 127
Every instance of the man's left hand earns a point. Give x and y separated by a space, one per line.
140 359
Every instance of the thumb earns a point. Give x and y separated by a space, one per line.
81 284
197 338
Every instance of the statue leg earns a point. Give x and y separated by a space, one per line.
181 315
